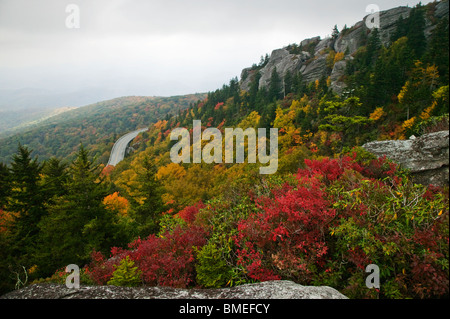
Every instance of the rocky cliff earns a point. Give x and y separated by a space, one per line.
310 58
427 157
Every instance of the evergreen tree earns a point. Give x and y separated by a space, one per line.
78 222
27 202
5 185
6 283
416 36
275 87
147 215
373 48
298 85
54 178
401 29
390 74
335 32
254 87
288 83
437 53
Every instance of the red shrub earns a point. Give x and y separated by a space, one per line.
287 237
163 261
100 269
169 260
330 169
189 213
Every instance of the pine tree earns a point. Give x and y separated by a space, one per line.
78 221
335 33
373 48
148 214
401 29
5 255
126 274
437 53
288 83
254 87
275 86
27 202
390 74
416 26
5 185
298 85
54 178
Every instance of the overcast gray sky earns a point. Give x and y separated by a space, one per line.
156 47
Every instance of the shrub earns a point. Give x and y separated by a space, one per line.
169 260
100 269
126 274
285 239
212 269
342 216
402 228
189 213
321 226
218 260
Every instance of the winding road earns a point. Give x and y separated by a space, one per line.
120 146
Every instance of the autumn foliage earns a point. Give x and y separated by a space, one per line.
163 261
321 226
330 210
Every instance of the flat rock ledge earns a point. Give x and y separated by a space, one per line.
280 289
427 157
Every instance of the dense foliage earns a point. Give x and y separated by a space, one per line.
97 126
329 211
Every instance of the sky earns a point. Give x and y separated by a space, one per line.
155 47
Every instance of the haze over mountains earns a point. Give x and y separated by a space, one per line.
22 107
120 51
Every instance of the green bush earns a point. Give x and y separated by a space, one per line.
212 269
402 228
126 274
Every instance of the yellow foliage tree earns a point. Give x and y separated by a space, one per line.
289 135
377 114
338 57
252 120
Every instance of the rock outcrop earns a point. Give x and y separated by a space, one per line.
427 157
281 289
284 62
310 60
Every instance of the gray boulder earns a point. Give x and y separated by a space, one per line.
427 157
279 289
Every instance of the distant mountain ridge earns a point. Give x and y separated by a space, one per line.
96 126
23 107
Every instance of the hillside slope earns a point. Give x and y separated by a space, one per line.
96 126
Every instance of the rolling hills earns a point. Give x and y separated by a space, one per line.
96 126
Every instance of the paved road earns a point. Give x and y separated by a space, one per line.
119 148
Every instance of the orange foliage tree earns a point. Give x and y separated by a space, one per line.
116 203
